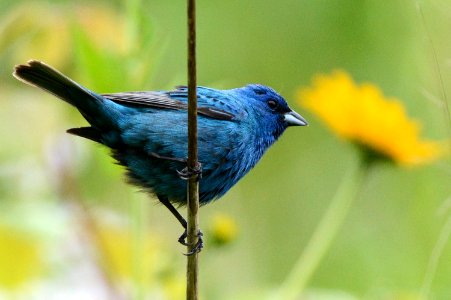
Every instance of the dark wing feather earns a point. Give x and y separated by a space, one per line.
162 100
149 99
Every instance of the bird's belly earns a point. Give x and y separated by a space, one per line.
159 176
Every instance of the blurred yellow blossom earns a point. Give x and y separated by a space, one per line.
97 21
126 259
223 229
174 287
50 38
362 114
20 258
116 246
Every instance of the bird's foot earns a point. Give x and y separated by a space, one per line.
197 247
188 173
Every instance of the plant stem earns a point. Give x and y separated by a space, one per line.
433 263
324 234
138 235
193 183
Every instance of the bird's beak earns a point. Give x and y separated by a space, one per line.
294 119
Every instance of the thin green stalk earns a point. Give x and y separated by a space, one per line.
444 95
445 233
137 211
434 260
324 234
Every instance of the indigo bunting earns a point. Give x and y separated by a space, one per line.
147 131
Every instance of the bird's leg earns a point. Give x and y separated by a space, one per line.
188 173
173 210
182 239
176 159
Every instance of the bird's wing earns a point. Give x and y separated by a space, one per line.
165 100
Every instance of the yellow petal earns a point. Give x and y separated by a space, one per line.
362 114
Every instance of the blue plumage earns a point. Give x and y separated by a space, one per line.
147 131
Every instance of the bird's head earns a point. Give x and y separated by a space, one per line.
271 107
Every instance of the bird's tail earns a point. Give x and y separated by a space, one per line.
92 106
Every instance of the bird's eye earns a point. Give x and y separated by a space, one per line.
272 104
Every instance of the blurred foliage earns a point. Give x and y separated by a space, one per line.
393 245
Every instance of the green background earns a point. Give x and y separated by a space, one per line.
387 241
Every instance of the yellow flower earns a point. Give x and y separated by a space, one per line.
138 259
20 258
97 22
117 250
146 261
362 114
223 229
49 38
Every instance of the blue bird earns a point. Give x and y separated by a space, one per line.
147 131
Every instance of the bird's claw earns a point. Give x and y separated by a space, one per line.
182 238
188 173
197 247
